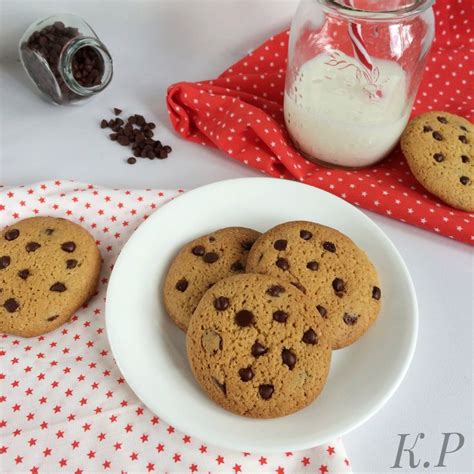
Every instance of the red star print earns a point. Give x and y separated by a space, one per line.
160 447
128 428
57 409
63 462
121 380
17 432
186 439
109 394
71 417
101 436
59 434
30 416
15 360
262 460
28 391
32 442
323 469
47 452
193 468
237 468
67 370
306 461
134 456
113 418
170 429
203 449
346 461
40 355
3 423
28 369
289 453
118 446
139 411
3 398
150 467
83 401
68 392
3 449
19 459
106 464
106 373
144 438
55 384
91 454
34 470
15 384
16 407
40 376
124 403
330 450
75 444
81 377
78 471
220 460
280 470
177 457
16 215
86 426
44 425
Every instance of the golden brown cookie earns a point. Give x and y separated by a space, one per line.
200 264
329 268
439 148
255 347
49 268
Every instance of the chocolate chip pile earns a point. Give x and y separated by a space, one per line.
137 134
47 44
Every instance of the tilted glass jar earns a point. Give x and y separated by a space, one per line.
65 59
354 67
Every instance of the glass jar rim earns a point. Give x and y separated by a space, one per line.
346 8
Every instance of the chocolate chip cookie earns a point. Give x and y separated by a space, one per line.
329 268
49 268
200 264
439 148
255 347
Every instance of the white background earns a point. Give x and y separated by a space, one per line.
157 43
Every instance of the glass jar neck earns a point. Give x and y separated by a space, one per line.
376 9
67 69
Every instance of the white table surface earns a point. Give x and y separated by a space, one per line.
156 43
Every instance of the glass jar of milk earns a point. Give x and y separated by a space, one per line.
354 67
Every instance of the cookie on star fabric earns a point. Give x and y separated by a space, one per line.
49 268
255 347
439 148
335 274
200 264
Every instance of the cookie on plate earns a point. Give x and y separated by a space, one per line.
200 264
439 148
255 347
49 268
329 268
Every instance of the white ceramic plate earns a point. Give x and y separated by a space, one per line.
150 350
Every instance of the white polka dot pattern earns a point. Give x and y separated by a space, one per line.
241 113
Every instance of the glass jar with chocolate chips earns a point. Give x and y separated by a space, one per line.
65 59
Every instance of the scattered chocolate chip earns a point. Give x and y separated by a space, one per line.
299 286
24 274
442 119
329 246
198 250
280 316
32 246
70 264
151 125
338 285
322 311
288 358
58 287
117 111
182 285
464 180
349 319
313 266
244 318
280 244
439 157
427 128
462 127
4 262
275 290
237 267
376 293
247 244
437 136
305 234
68 247
52 318
49 231
11 305
132 160
463 139
283 264
113 137
12 234
310 337
212 239
266 391
210 257
104 123
465 159
246 374
220 385
258 349
221 303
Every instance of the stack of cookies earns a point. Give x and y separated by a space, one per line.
263 312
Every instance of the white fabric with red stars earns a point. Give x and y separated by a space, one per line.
65 407
241 113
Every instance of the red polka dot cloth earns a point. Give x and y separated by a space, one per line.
65 407
241 113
